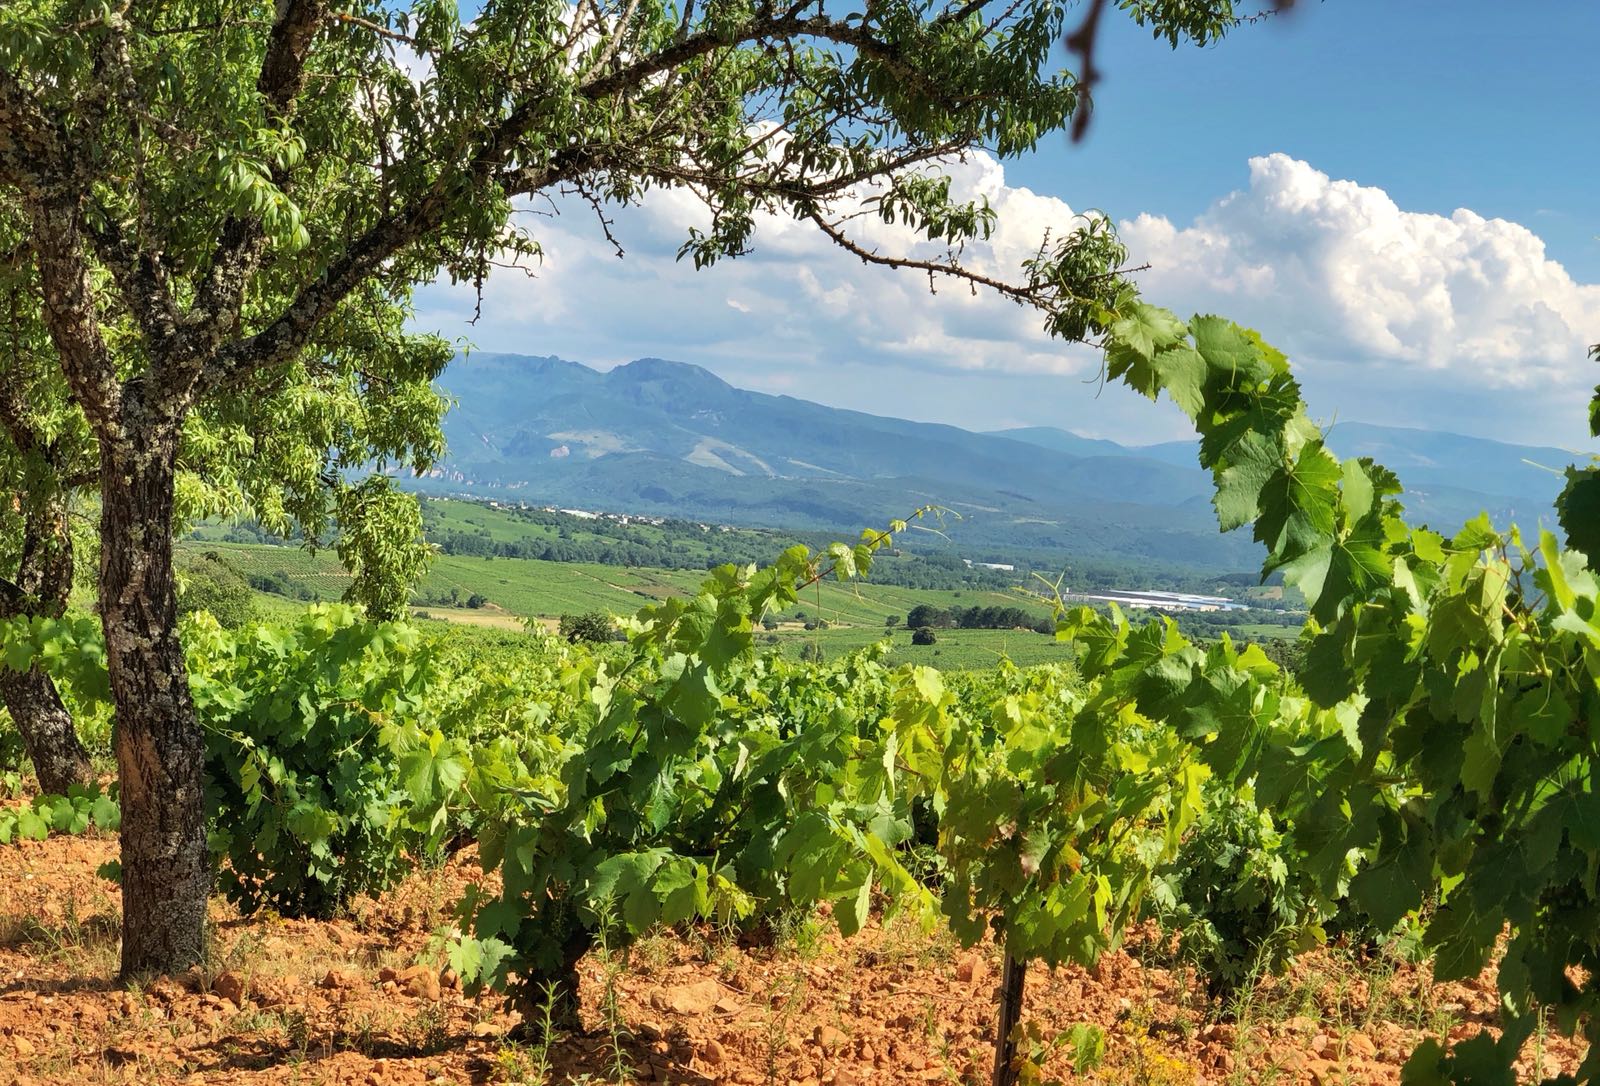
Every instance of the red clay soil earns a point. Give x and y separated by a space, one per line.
360 1000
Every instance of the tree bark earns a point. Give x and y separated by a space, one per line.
59 760
166 873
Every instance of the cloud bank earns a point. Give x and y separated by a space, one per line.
1448 322
1342 274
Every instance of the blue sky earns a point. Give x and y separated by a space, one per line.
1441 103
1398 192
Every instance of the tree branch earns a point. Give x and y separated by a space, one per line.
34 159
1021 295
71 314
214 315
285 336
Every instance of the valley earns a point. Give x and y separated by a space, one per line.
482 564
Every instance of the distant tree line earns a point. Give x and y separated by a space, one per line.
554 536
927 616
673 544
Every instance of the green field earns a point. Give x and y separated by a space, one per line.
855 613
533 588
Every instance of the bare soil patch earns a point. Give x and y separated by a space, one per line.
363 1000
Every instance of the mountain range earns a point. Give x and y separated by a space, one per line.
668 438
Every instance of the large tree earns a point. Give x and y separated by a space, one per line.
282 457
242 178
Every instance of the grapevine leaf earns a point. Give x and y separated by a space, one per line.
1391 888
1298 504
1462 940
1132 367
1182 372
1578 509
1147 329
466 958
1228 351
1583 821
852 908
31 827
1427 1066
1543 713
1252 463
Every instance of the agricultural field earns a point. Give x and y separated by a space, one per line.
523 588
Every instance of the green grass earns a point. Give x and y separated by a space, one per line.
868 604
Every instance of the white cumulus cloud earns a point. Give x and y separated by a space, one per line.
1339 274
1472 325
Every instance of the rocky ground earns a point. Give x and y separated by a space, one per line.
362 1000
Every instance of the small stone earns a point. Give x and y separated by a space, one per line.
1359 1044
23 1046
230 986
687 999
485 1029
970 970
163 989
419 982
713 1053
337 979
449 978
828 1038
1319 1044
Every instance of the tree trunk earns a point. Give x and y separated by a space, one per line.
1005 1044
59 760
166 873
43 583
